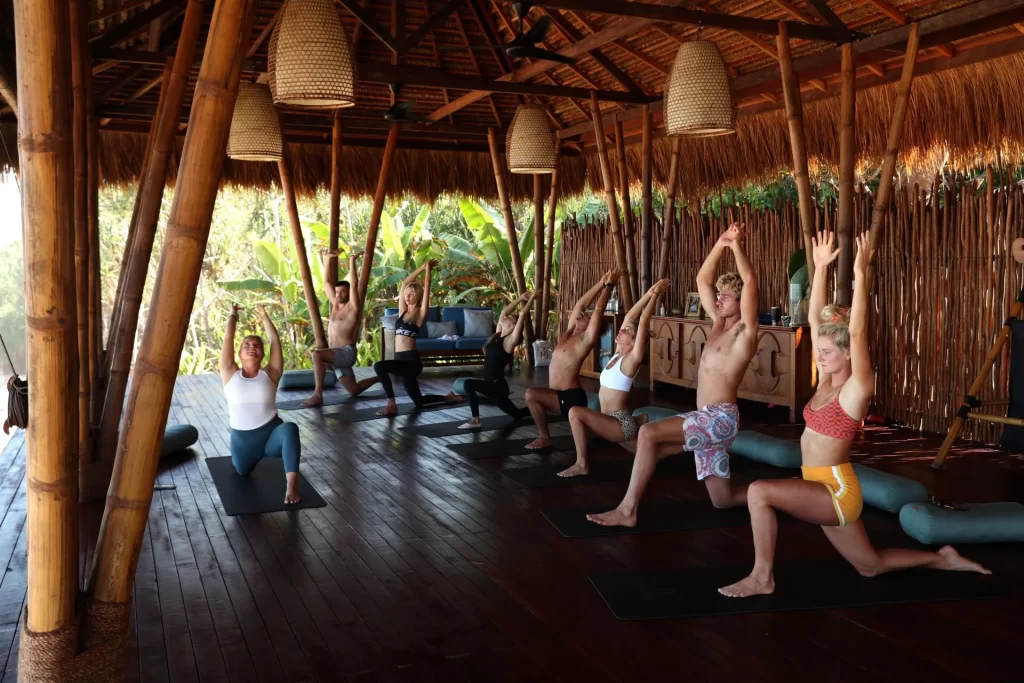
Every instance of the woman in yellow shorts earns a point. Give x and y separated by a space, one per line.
829 493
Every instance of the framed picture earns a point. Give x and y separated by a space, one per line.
693 306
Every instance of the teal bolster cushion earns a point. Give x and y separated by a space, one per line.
177 438
654 413
976 523
766 449
304 379
593 402
459 387
889 492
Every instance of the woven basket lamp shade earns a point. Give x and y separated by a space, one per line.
530 145
309 60
698 101
255 129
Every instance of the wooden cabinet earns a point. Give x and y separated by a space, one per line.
779 373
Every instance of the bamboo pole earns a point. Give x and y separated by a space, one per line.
8 90
797 141
510 232
47 193
336 170
300 252
151 186
892 145
97 375
550 250
538 253
625 293
646 208
188 227
378 208
627 208
847 161
668 218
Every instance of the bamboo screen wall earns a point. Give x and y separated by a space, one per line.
945 283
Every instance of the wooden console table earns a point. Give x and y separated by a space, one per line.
779 373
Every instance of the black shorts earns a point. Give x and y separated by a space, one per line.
570 398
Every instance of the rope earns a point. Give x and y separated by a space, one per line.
17 397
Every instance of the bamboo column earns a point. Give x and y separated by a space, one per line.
96 355
549 251
627 208
797 142
81 67
47 193
188 227
151 187
668 218
510 231
646 209
625 293
288 188
378 208
847 160
538 253
332 239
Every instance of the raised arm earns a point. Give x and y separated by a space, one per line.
512 306
643 326
405 283
860 353
748 300
517 331
610 277
329 258
706 274
275 366
228 366
425 301
823 254
597 317
358 295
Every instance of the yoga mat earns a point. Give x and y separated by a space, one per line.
486 424
502 448
602 470
364 414
824 584
654 517
261 491
331 398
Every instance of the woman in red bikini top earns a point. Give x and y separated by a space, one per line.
829 494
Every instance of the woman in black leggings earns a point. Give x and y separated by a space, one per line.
413 304
497 352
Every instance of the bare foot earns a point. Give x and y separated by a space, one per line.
616 517
955 562
314 400
473 423
752 585
291 496
577 470
452 397
389 410
539 443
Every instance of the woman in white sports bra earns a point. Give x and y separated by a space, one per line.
256 429
615 422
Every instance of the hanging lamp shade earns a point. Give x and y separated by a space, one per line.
531 146
255 133
698 101
309 60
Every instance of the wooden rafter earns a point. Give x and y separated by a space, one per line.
830 17
138 22
433 21
902 19
258 40
572 35
371 25
476 65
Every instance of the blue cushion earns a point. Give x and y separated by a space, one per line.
304 379
434 344
977 523
457 314
654 413
177 438
390 311
889 492
471 343
593 401
459 386
766 449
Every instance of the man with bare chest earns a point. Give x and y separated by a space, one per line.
709 430
342 333
581 334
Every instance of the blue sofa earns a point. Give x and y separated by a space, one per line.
463 351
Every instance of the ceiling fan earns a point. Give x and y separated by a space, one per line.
524 44
401 112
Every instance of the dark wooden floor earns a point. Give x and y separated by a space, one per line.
428 567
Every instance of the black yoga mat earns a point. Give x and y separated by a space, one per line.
825 584
602 470
502 448
331 398
486 424
261 491
654 517
364 414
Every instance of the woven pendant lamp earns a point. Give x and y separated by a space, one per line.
530 145
309 61
698 101
255 129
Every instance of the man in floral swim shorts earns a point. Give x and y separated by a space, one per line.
709 430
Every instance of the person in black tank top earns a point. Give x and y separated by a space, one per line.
497 353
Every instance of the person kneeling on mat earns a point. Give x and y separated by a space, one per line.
581 334
829 493
256 429
497 353
709 430
614 422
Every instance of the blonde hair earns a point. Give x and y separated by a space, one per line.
418 288
835 324
730 282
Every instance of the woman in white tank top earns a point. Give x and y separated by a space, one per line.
615 422
256 429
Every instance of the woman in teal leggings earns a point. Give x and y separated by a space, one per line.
256 429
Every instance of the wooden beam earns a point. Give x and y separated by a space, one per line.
436 20
902 19
847 163
378 209
668 217
627 208
312 305
113 54
335 210
149 85
369 23
625 292
265 33
573 35
796 12
538 253
8 90
138 22
830 17
646 201
116 9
